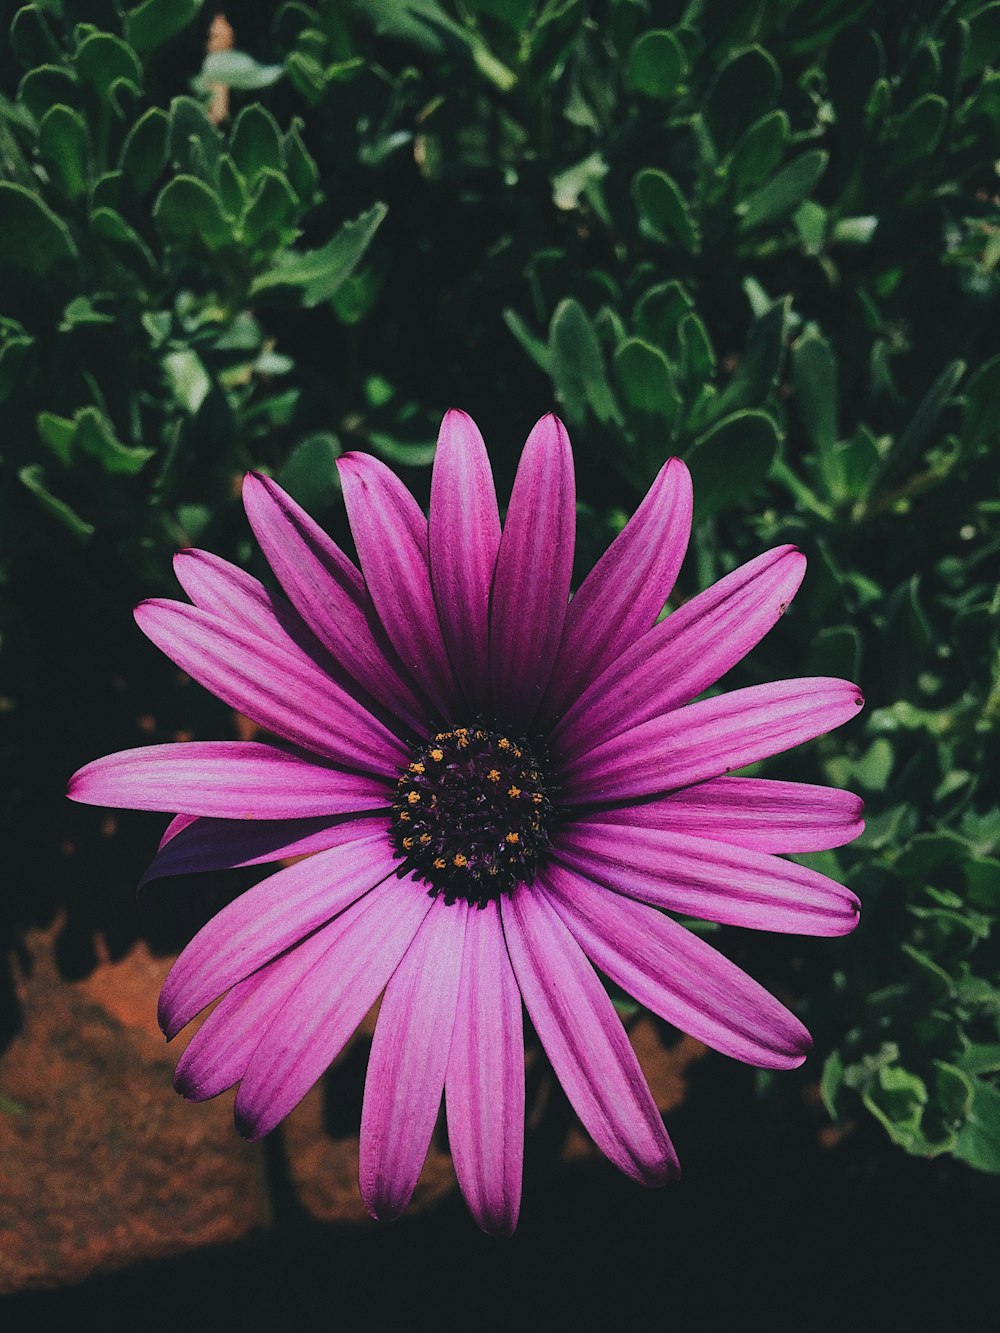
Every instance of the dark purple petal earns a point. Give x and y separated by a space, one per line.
709 738
217 1055
464 539
329 594
408 1059
622 596
712 880
269 918
319 1016
281 689
677 975
684 654
176 825
223 844
584 1039
759 813
390 533
225 780
534 567
484 1085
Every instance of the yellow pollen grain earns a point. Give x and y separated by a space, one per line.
480 735
513 837
503 743
425 838
407 843
461 731
537 797
404 814
514 791
413 797
493 870
517 753
494 775
416 768
463 742
460 860
437 755
439 863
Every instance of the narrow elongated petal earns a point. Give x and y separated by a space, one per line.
408 1059
677 975
710 738
464 540
711 880
223 844
329 594
390 533
687 652
268 919
484 1084
534 567
217 1055
320 1015
622 596
225 780
759 813
584 1039
281 690
175 826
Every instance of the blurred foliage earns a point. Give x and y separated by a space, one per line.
762 235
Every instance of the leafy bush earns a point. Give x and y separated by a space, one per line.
762 236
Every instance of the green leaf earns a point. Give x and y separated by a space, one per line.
758 153
578 373
760 364
784 192
233 193
33 477
255 143
81 311
646 380
190 383
663 211
272 211
187 210
144 153
58 433
730 461
95 436
982 404
303 174
102 59
13 363
656 65
46 86
30 37
697 352
64 145
979 1138
195 144
980 1058
658 314
897 1099
35 239
156 21
909 448
310 474
237 69
320 273
111 226
831 1082
919 130
532 344
743 90
984 40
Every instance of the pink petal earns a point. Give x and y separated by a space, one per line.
226 780
217 1055
176 825
684 654
712 880
622 596
329 594
464 539
759 813
269 918
584 1039
408 1059
223 844
677 975
710 738
534 567
320 1015
280 689
484 1085
390 533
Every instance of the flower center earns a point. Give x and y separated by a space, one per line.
470 814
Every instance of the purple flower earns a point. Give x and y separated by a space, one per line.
494 784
